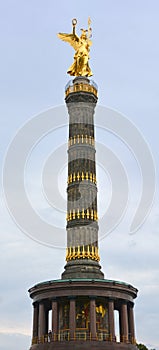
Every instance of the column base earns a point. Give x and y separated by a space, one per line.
85 345
82 268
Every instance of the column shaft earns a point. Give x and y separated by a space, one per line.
54 319
111 320
93 318
41 331
124 323
35 320
46 321
72 318
131 323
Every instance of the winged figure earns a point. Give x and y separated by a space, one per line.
81 45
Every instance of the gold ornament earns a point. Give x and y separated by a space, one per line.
81 45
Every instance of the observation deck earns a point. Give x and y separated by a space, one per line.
81 84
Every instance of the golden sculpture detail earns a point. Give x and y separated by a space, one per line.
81 45
82 252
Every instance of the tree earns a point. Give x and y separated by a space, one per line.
143 347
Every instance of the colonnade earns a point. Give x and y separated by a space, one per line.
126 319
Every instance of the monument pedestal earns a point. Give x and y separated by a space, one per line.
82 304
82 313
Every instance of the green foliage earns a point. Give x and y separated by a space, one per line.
143 347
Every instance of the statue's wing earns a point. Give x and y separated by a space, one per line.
72 39
89 42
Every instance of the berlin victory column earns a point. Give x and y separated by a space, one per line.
82 303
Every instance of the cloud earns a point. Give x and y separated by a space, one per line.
14 341
134 259
128 82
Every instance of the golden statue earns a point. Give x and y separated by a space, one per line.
81 45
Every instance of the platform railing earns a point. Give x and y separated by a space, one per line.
104 336
83 335
90 87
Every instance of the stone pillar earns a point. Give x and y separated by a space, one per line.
35 320
41 330
54 319
123 322
131 323
72 318
111 319
82 218
46 321
93 318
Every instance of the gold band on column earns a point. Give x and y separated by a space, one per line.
81 176
89 214
81 139
82 252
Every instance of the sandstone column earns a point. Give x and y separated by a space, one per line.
72 318
131 323
93 318
35 320
123 322
54 319
111 319
41 331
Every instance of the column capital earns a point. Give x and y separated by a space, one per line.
92 297
111 299
72 297
124 302
35 304
53 299
131 304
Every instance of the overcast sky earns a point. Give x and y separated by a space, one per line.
33 65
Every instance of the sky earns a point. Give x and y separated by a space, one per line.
33 65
